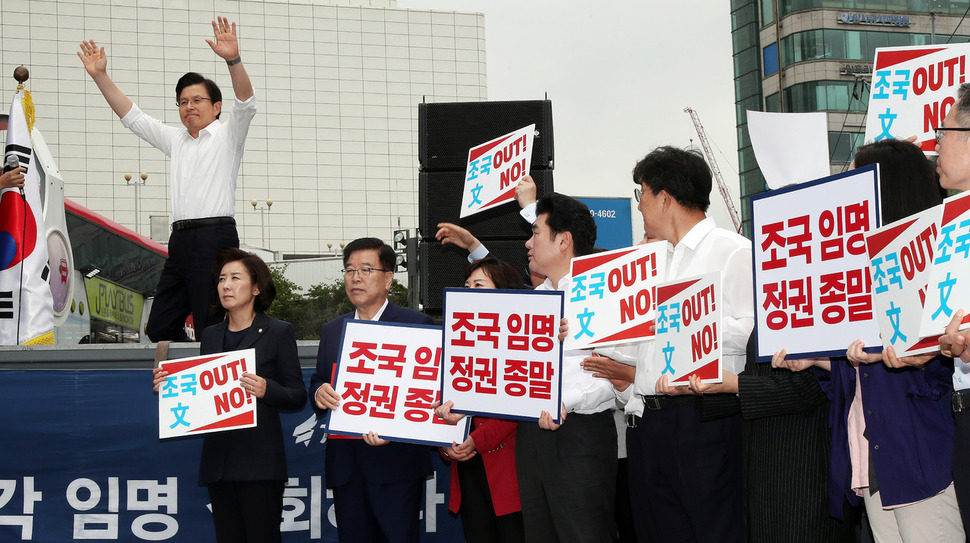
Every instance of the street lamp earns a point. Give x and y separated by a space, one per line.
262 221
138 185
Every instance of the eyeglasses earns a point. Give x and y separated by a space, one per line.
364 272
636 195
940 132
196 100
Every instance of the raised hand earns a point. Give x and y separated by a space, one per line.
93 57
224 44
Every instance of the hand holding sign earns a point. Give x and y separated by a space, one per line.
953 342
526 192
326 397
254 384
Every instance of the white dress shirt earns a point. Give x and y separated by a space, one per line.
581 392
706 249
204 169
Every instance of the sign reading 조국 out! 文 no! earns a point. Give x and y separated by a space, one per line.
114 303
611 298
688 319
387 379
494 170
913 88
202 394
948 288
900 258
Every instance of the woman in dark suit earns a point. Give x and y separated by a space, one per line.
245 470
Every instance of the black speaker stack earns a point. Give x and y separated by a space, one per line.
446 131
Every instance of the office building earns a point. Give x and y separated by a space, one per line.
816 55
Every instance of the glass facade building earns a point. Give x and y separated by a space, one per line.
816 55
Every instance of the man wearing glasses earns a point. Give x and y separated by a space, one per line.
953 165
205 161
376 484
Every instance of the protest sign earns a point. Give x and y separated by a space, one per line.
948 288
387 378
913 88
612 295
811 281
688 317
900 255
502 353
494 170
202 394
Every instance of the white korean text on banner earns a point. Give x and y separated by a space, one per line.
948 288
494 170
26 303
900 258
913 88
612 297
502 355
202 394
813 295
688 319
387 379
90 467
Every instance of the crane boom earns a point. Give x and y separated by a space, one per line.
725 194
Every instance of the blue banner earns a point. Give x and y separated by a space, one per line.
81 459
614 222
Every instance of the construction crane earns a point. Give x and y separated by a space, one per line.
725 194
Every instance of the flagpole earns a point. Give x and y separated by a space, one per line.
21 74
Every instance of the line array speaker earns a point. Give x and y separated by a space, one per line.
444 266
447 130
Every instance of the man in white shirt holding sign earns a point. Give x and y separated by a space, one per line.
567 471
685 471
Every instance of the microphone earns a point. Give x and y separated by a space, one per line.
12 164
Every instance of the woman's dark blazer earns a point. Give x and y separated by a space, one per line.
256 454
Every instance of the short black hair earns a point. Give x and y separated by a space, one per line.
908 183
193 78
683 173
258 273
565 214
384 251
502 274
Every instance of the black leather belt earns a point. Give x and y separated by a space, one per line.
188 224
656 403
960 400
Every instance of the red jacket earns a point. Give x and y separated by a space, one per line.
495 441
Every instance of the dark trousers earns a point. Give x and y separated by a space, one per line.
961 465
685 477
377 513
567 479
186 284
247 511
478 518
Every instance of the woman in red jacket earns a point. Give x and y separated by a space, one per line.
484 483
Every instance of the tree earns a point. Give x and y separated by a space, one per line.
289 299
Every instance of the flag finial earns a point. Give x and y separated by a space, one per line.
21 74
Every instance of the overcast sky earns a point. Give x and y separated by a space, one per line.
619 74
